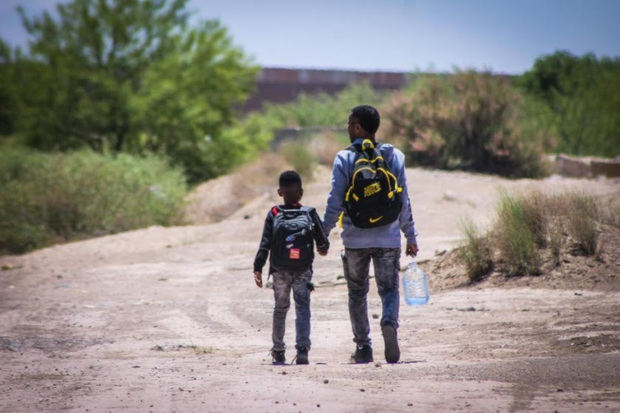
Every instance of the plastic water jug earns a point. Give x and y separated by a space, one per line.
415 285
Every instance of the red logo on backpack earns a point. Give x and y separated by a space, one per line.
294 254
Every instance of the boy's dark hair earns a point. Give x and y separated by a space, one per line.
288 178
368 117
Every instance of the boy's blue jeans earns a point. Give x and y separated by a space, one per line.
283 281
386 263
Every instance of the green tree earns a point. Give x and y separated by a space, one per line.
8 92
186 100
583 94
131 75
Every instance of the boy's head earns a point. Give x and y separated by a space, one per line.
290 187
363 122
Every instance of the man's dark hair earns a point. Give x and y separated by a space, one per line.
368 117
288 178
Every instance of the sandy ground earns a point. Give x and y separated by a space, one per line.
168 319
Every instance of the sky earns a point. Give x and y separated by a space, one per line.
396 35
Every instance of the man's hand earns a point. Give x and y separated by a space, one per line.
258 279
412 249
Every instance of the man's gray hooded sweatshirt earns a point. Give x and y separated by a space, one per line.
386 236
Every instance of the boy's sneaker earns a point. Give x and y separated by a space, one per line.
392 352
278 357
362 354
302 356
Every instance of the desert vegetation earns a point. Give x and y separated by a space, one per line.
532 232
47 198
468 120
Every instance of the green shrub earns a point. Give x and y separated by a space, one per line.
515 239
582 95
46 198
467 120
300 156
322 109
475 252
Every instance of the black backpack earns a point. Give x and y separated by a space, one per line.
373 196
292 240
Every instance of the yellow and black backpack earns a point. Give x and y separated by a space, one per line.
373 196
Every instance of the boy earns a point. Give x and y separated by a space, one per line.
288 237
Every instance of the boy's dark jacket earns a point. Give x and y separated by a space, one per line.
322 243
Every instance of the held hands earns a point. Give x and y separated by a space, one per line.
412 249
322 250
258 279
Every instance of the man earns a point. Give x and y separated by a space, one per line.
381 244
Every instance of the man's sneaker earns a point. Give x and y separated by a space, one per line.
302 356
278 356
362 354
392 352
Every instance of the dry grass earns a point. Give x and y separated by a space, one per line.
528 225
257 177
475 252
582 225
536 217
514 237
218 198
556 241
326 145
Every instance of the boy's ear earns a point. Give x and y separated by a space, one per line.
301 192
279 192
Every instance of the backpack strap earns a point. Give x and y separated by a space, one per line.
275 210
367 146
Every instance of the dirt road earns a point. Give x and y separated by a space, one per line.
168 319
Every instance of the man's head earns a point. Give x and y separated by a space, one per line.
363 122
290 187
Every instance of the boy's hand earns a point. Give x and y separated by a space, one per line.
322 251
412 249
258 279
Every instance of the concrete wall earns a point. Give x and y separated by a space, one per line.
586 167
